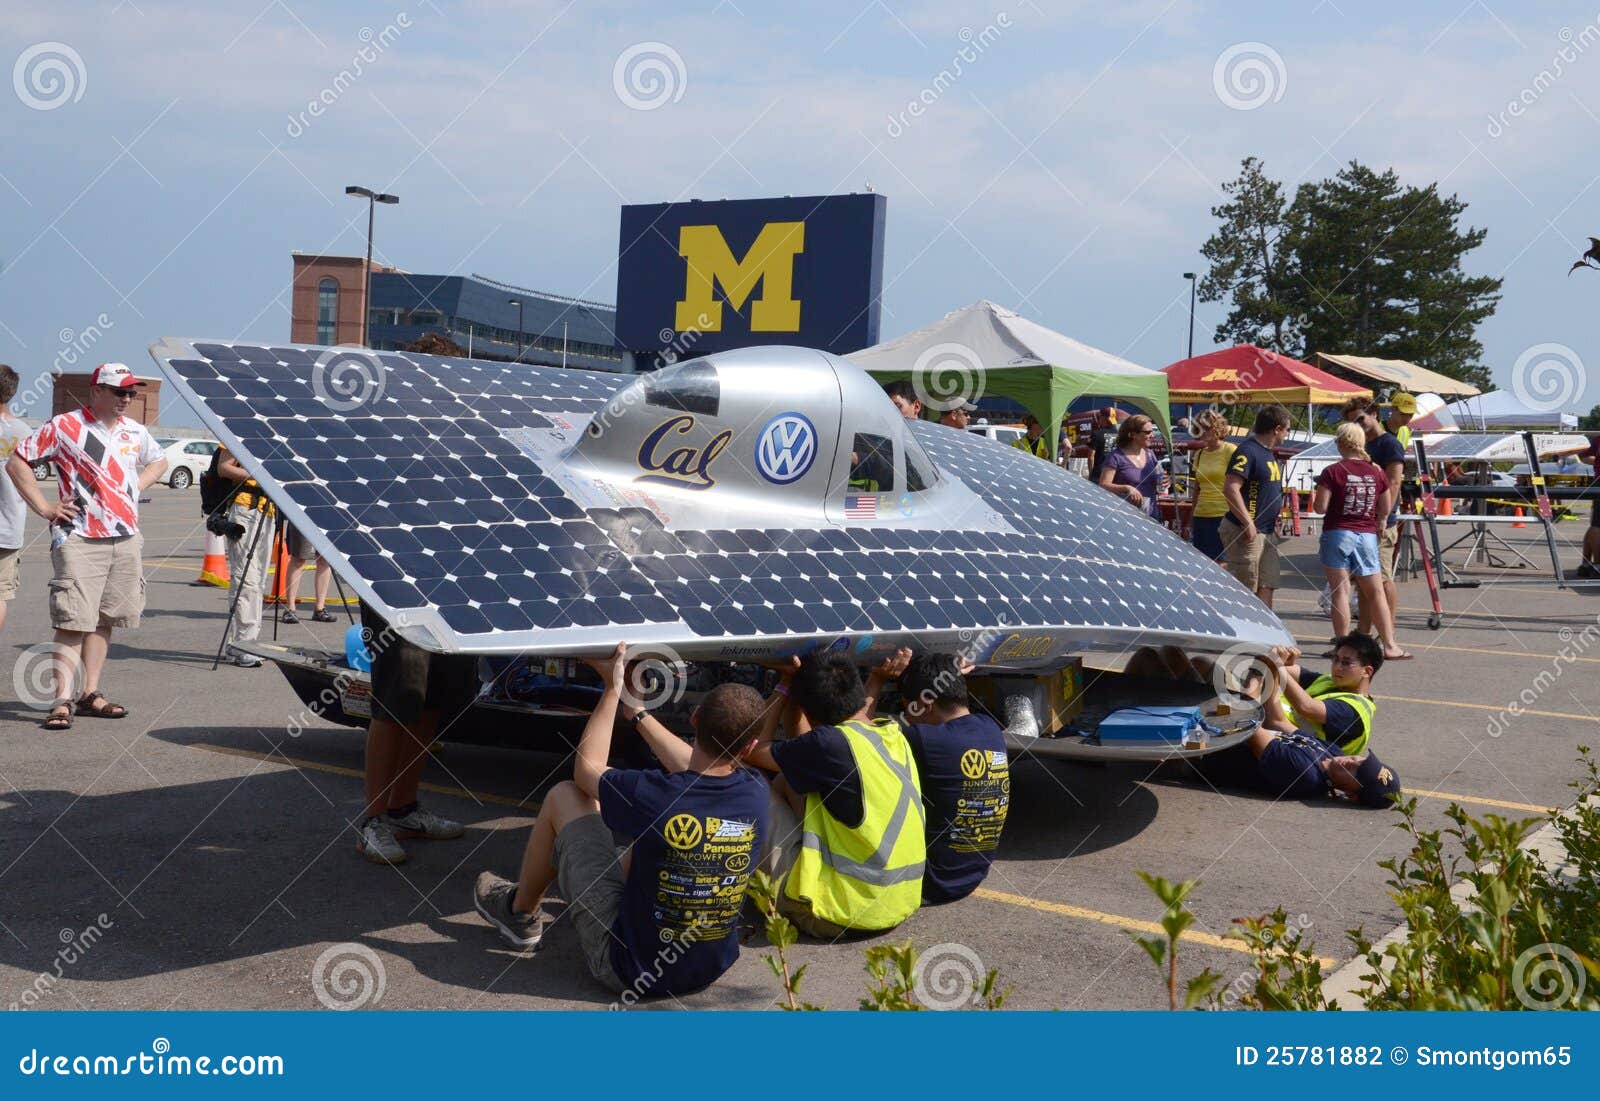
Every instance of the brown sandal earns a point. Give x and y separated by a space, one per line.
107 710
60 717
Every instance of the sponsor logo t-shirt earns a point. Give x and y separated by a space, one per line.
1385 450
695 840
1263 482
966 788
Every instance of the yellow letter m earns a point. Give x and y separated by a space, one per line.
770 260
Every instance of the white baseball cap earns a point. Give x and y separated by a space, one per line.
115 374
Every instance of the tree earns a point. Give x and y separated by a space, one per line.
1380 272
435 344
1355 264
1249 266
1590 421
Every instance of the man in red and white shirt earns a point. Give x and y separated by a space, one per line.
104 461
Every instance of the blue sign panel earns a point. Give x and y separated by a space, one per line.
697 277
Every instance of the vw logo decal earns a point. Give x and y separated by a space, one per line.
786 448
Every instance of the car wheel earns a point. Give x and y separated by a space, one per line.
182 478
41 471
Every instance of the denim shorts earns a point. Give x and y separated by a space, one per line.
1206 535
1355 551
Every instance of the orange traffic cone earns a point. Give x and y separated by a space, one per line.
1519 523
1447 506
214 567
278 590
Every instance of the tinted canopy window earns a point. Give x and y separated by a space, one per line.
690 387
921 474
872 463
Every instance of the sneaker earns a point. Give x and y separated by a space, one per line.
377 843
427 825
287 616
322 615
492 897
1588 571
243 660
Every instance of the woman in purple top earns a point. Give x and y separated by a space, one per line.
1131 470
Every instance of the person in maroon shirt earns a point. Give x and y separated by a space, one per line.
1353 495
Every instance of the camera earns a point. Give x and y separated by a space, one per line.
217 523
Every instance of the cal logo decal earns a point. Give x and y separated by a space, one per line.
1014 647
770 262
685 467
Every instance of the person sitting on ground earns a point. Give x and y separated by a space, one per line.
1032 440
1336 706
905 399
854 860
697 826
1131 470
965 774
1353 496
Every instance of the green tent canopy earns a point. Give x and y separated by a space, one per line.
985 349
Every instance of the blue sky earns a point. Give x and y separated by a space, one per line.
1067 172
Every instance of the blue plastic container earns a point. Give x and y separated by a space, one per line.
1143 725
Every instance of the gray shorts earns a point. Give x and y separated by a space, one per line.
589 875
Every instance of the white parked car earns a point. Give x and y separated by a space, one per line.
1000 433
187 460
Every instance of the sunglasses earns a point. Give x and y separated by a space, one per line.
121 392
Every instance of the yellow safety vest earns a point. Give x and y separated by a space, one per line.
867 877
1036 447
1323 689
1403 434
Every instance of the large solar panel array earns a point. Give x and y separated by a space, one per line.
422 499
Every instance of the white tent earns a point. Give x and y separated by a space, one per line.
988 349
1503 409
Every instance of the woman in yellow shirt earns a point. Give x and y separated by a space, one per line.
1210 467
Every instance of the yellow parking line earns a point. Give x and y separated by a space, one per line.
1211 940
1428 646
1429 611
1480 801
1492 707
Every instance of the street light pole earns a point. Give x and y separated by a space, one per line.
517 302
1190 276
373 198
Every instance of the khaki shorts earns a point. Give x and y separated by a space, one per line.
589 873
8 572
1388 550
97 583
1255 564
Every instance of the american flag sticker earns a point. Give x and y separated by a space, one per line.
861 506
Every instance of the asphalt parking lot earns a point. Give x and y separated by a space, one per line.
220 849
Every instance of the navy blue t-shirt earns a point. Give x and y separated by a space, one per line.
1343 724
1289 766
695 839
966 788
1384 450
820 762
1263 482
